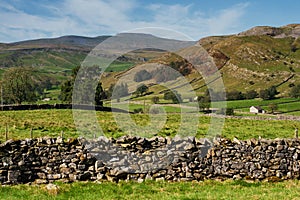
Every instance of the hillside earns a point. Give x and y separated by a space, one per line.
258 58
252 60
55 57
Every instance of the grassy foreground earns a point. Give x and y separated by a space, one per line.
158 190
52 122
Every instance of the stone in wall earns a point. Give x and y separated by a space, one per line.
44 160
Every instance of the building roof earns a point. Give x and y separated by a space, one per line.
257 107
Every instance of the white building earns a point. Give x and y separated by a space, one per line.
257 109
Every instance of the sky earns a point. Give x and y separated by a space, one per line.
32 19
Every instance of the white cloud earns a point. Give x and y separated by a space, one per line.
227 20
97 17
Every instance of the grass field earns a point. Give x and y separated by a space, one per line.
285 105
52 122
158 190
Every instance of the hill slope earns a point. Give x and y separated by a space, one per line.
252 60
258 58
55 57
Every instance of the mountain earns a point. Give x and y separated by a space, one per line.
56 57
254 59
258 58
251 60
70 42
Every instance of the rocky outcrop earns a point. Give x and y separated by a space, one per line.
44 160
291 30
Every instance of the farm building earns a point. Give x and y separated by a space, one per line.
256 109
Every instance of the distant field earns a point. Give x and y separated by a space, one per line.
118 66
159 190
52 122
285 105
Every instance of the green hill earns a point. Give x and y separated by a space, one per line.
258 58
252 60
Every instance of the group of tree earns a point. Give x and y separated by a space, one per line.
160 75
173 95
237 95
269 93
141 90
85 88
295 92
265 94
22 84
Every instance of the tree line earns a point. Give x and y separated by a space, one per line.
22 84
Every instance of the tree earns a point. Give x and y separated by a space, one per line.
235 95
295 92
18 85
99 95
173 95
269 93
252 94
204 102
155 99
272 107
66 93
264 94
141 89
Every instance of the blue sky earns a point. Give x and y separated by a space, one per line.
31 19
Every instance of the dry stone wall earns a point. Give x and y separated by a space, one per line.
45 160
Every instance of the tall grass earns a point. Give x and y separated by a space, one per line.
53 122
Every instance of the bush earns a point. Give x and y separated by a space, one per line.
173 95
252 94
155 99
235 95
138 110
226 111
295 92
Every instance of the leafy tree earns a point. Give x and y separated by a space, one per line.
204 102
235 95
141 89
264 94
155 99
226 111
83 85
269 93
99 95
273 107
173 95
66 91
229 111
18 85
295 92
252 94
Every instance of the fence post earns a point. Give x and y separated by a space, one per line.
62 134
296 133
